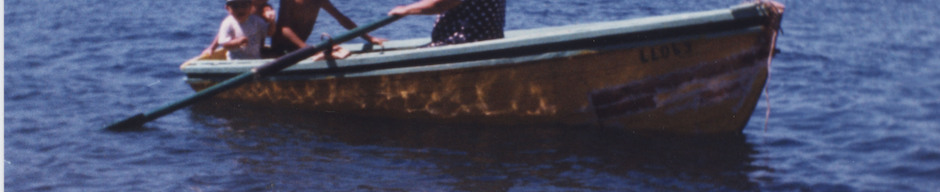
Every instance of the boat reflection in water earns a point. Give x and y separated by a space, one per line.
294 147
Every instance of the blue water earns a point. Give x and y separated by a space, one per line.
853 95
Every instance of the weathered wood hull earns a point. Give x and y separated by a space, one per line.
643 80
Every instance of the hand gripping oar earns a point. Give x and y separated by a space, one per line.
261 71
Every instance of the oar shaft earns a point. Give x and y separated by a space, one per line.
261 71
297 56
205 93
141 118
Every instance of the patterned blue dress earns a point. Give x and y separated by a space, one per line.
472 20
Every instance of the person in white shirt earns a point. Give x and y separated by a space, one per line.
242 33
262 9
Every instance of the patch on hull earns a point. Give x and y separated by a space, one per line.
705 84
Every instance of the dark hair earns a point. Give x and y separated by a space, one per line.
232 2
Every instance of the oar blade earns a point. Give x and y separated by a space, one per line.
133 122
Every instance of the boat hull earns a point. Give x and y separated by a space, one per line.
688 84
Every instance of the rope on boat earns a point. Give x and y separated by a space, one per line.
775 17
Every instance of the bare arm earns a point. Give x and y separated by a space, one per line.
425 7
270 17
235 43
289 33
271 28
342 19
226 39
346 22
212 46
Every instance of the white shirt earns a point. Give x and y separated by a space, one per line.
255 28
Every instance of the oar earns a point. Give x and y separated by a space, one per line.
261 71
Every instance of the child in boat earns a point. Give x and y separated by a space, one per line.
262 9
297 18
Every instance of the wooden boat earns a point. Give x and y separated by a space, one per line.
699 72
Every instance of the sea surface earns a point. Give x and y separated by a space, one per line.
854 101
